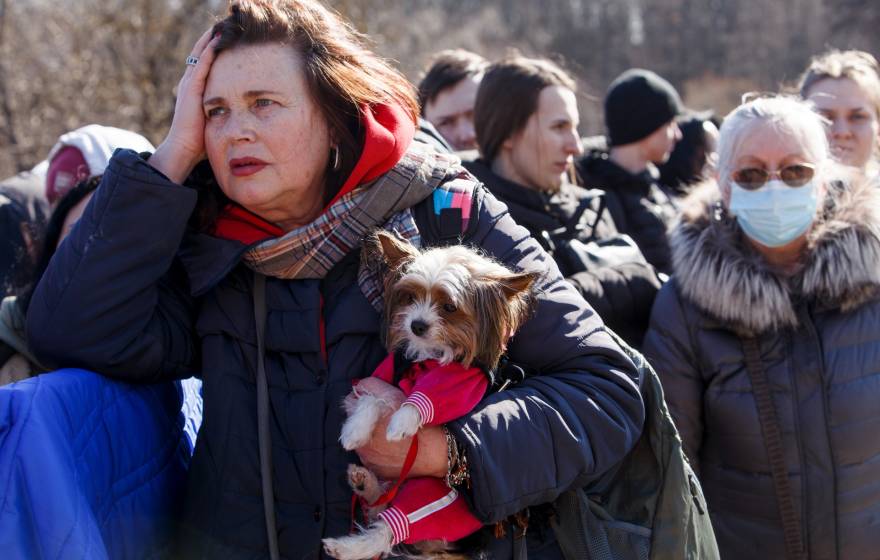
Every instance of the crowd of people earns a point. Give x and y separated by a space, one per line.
740 255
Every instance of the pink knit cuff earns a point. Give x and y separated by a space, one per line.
423 404
398 522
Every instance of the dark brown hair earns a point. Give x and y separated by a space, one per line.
446 69
508 96
342 74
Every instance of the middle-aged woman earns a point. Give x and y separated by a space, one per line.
844 86
766 340
308 140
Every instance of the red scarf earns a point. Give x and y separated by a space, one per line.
388 133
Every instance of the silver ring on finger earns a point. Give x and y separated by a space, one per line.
192 60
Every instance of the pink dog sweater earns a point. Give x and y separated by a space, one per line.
425 508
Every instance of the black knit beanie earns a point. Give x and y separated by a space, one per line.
638 102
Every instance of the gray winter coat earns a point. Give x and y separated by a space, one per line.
819 336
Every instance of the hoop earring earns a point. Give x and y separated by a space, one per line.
337 163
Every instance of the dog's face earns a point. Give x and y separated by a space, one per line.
450 304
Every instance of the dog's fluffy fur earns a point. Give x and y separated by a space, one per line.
446 304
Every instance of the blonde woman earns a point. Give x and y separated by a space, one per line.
844 86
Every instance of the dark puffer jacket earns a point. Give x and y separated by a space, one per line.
157 317
621 293
638 205
819 336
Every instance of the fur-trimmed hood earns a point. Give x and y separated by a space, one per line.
718 271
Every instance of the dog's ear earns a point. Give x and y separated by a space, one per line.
518 283
393 249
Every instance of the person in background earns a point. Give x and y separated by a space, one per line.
16 360
526 119
766 340
640 117
845 88
83 153
27 198
237 251
23 214
692 161
447 93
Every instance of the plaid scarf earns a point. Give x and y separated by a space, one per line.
314 249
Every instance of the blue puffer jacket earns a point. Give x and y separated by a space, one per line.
157 316
91 467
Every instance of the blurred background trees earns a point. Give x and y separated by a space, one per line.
66 63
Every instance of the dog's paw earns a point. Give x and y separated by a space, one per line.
355 434
336 548
372 542
364 482
349 403
404 423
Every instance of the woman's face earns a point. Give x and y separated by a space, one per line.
766 147
266 140
541 153
771 149
855 130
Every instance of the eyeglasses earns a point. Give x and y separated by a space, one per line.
753 178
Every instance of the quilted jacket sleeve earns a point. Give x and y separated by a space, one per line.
668 348
622 295
92 468
568 424
112 300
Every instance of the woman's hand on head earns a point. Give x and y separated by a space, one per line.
184 146
385 458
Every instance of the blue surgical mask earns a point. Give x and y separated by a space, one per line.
775 214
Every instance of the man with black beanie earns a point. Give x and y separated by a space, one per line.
640 110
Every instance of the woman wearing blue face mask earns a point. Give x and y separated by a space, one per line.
768 341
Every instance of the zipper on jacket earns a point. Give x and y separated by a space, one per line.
806 318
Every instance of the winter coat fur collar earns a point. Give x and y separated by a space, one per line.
720 273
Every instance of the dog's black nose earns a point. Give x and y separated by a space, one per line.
418 327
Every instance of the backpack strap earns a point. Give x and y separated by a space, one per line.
571 227
791 522
264 437
448 216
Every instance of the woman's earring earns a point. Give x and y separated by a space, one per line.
337 163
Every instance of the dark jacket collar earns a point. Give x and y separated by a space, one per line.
598 171
208 259
536 210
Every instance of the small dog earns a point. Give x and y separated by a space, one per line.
449 313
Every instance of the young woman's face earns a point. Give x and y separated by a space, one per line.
542 152
267 141
854 133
